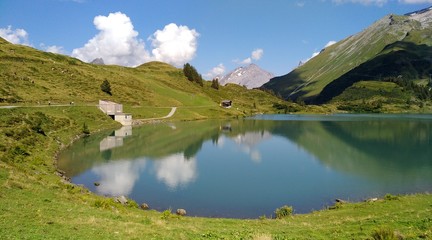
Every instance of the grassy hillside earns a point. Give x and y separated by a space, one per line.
32 77
37 203
392 46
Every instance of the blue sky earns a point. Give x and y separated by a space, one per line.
215 36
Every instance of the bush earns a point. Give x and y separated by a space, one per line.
106 87
384 234
390 197
166 214
85 129
283 212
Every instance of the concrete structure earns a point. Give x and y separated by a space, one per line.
110 108
115 111
124 118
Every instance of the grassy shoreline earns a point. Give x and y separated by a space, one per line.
36 203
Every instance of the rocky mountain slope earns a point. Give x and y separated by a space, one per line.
250 76
391 47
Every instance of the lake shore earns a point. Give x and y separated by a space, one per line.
35 202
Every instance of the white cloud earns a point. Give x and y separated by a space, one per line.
364 2
329 44
300 4
116 42
15 36
255 56
174 44
317 53
219 70
53 49
247 61
415 1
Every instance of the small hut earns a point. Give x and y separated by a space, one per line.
226 104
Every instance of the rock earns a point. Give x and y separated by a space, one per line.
372 200
144 206
181 212
122 199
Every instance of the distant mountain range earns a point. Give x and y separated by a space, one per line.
98 61
250 76
394 46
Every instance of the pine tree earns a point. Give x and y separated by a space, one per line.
106 87
192 74
215 84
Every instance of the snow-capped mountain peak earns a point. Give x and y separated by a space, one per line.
250 76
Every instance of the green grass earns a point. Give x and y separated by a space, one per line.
382 97
31 77
37 203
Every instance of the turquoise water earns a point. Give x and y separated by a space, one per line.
248 168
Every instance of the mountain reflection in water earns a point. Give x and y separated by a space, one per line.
248 168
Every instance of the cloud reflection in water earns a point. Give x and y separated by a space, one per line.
175 170
119 177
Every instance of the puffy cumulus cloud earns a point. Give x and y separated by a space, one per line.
415 1
116 42
255 56
15 36
174 44
364 2
219 70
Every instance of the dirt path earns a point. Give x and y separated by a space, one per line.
140 121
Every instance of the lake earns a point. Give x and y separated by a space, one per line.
247 168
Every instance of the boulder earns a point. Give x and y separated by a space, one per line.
122 199
144 206
181 212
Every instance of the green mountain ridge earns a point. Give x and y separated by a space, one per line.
32 77
392 46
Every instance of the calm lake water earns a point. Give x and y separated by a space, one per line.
248 168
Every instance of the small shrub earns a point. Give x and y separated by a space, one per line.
132 204
384 234
166 214
85 129
283 212
106 87
390 197
337 205
104 203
